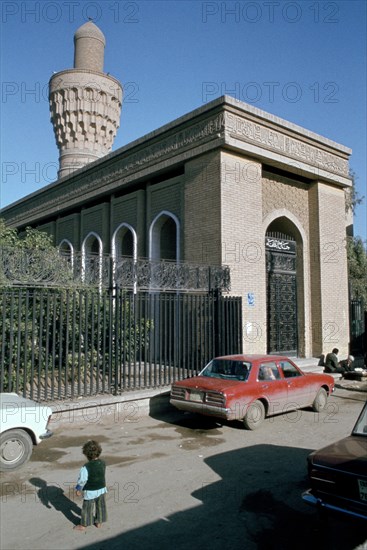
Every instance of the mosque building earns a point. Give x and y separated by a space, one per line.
224 185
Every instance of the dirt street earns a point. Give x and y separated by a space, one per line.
182 481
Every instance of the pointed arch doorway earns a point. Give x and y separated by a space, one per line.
281 276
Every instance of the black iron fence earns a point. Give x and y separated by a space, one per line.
358 336
64 343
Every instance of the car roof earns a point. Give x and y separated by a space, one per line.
250 357
15 399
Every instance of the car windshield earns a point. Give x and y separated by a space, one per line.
230 369
361 426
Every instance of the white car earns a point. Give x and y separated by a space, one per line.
24 423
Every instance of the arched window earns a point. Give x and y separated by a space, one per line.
124 242
92 257
164 237
92 245
66 250
124 255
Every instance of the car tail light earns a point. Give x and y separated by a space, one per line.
178 392
215 398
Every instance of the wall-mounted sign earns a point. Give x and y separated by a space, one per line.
280 245
251 299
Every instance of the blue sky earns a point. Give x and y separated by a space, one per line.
304 61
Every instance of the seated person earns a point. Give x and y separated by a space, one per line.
332 364
347 363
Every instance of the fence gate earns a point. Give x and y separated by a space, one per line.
281 295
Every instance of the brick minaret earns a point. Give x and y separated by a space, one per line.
85 103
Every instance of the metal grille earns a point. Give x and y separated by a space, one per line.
58 344
40 268
358 337
282 300
166 275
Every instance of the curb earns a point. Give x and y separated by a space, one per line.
128 407
132 405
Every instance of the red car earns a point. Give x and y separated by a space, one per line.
251 387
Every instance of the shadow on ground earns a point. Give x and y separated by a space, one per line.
256 504
53 496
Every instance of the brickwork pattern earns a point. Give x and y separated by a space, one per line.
96 219
202 221
124 210
280 193
165 196
334 325
243 243
68 228
315 333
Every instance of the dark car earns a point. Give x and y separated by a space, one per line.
250 388
338 473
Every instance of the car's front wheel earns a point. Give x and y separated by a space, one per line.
15 449
254 416
320 400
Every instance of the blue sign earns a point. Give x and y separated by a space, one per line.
251 298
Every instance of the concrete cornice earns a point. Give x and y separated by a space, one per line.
284 124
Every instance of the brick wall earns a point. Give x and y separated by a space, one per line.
243 243
68 228
202 222
329 274
96 220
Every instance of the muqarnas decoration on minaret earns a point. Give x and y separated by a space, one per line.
85 103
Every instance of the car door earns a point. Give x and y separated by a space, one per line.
298 389
272 386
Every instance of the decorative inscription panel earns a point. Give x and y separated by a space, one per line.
253 132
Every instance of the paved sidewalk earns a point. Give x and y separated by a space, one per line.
308 364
